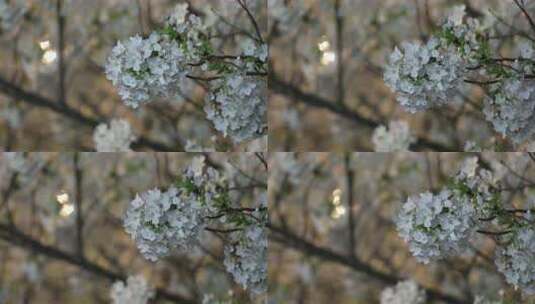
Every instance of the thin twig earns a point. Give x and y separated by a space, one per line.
252 19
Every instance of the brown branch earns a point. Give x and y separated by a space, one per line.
78 202
252 19
61 52
339 22
350 176
494 233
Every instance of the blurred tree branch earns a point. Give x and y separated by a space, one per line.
288 238
18 93
279 86
16 237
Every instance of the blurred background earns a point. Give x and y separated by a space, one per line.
332 234
327 62
61 227
53 90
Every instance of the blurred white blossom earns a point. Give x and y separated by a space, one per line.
117 137
246 258
162 221
403 293
516 260
136 291
237 106
424 76
436 226
396 138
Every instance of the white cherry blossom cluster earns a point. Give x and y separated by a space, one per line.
516 260
510 103
396 138
510 107
403 293
237 106
246 258
436 225
424 76
144 68
479 184
463 33
162 221
135 291
440 225
115 137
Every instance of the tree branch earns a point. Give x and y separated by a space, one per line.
61 52
350 176
78 202
339 22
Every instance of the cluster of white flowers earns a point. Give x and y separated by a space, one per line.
246 258
396 138
237 106
511 109
117 137
424 76
516 260
463 34
436 226
11 13
510 104
479 184
136 291
144 68
403 293
440 225
161 221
